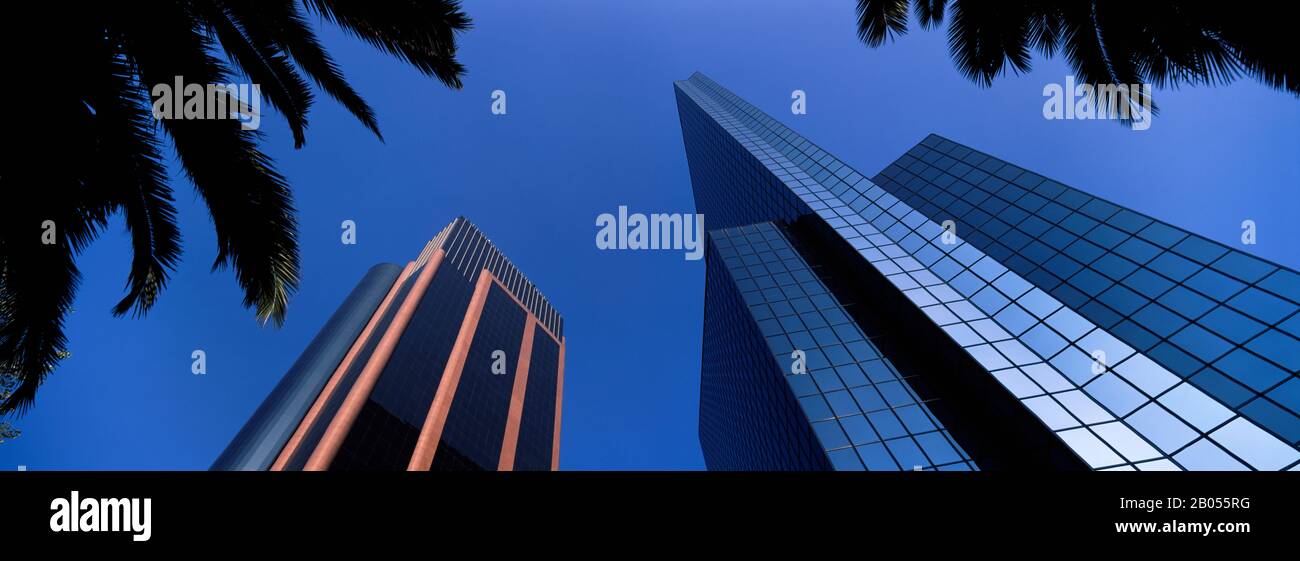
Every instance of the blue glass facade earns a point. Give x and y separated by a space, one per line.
862 413
749 415
1207 313
1129 343
472 436
537 424
266 432
390 421
418 371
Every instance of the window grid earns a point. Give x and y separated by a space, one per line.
1235 307
857 402
878 225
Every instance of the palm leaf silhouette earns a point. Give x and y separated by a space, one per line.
94 75
1161 42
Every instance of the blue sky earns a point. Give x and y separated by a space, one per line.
592 125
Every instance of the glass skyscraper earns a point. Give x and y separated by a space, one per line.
958 312
455 362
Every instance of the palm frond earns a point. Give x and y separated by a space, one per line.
1045 28
130 176
422 33
95 113
929 13
282 24
1263 46
249 202
1166 43
984 37
881 20
38 279
264 63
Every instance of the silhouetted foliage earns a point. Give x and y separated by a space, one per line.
1166 43
81 78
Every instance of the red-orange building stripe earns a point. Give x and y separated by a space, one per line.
436 420
559 400
510 441
341 424
301 432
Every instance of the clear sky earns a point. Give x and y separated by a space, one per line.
592 125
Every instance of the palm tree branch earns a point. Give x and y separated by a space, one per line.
249 202
131 176
264 64
280 23
422 33
37 278
881 20
929 13
984 36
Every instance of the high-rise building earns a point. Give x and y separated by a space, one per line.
959 312
455 362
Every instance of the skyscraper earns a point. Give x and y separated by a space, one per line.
455 362
956 311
